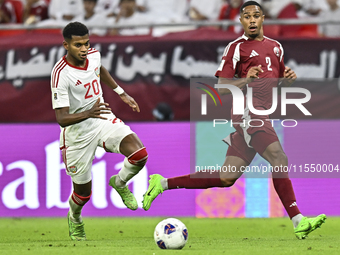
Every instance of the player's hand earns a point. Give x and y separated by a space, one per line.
99 108
253 72
289 74
130 101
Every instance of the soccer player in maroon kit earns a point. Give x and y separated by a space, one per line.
250 57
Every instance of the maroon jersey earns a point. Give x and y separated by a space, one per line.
244 53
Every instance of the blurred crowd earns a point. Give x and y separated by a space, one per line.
95 13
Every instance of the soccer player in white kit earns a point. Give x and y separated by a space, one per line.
87 122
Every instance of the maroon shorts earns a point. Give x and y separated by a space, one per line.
246 142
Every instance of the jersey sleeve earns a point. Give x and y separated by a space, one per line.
231 56
100 59
95 55
281 63
60 96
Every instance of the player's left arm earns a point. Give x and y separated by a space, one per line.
106 78
289 77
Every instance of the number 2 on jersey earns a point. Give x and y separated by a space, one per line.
269 63
95 88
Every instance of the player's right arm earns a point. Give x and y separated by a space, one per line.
252 74
64 118
229 68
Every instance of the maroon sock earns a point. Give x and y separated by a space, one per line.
284 189
198 180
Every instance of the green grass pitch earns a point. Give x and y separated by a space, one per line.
135 236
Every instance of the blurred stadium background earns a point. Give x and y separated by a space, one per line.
157 69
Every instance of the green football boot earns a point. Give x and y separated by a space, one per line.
307 225
128 198
76 230
155 188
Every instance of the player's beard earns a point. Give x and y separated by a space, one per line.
253 36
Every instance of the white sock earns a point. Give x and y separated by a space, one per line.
75 211
128 171
164 183
296 219
119 182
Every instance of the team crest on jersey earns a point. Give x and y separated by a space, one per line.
55 96
277 51
97 71
72 169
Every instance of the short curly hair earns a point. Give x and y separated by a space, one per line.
74 28
250 3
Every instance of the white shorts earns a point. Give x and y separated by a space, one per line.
78 156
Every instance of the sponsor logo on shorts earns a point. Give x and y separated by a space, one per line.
72 169
55 96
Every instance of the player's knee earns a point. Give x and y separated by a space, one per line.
81 199
139 157
228 182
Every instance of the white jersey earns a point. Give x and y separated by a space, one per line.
79 89
76 87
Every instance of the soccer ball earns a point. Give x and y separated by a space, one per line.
171 233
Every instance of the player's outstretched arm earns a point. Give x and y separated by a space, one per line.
130 101
289 77
240 83
64 118
106 78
